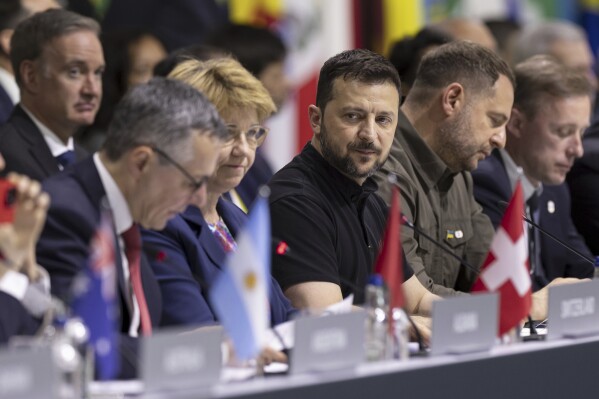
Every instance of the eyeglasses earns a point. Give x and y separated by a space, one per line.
195 184
254 136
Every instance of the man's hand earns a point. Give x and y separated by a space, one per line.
18 239
423 324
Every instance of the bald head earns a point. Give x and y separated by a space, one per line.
468 29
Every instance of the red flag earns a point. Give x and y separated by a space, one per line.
506 268
388 263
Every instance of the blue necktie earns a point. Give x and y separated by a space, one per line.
66 158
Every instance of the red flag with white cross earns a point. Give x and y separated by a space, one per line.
506 268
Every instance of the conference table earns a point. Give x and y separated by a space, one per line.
567 368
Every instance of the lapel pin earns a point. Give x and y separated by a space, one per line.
550 206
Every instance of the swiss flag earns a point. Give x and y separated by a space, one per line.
506 269
388 263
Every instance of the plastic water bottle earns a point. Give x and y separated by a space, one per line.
68 339
401 334
596 266
377 311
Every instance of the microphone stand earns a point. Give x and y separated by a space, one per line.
533 336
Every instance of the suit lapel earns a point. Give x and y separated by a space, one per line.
87 175
193 217
37 147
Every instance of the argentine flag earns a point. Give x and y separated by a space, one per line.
240 294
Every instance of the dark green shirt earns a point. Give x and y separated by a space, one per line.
441 204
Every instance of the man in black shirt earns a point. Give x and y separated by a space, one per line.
323 203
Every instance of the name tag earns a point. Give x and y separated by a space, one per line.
572 311
328 343
176 359
464 324
28 374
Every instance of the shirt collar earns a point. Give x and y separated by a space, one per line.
344 184
120 209
514 173
57 147
7 81
428 164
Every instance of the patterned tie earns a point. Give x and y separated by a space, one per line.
66 158
132 241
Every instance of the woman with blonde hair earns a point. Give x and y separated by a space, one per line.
189 253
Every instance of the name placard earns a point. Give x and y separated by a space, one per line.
328 343
464 324
28 374
573 310
177 359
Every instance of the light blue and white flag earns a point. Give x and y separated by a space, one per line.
240 294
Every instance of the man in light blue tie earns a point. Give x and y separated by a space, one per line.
58 63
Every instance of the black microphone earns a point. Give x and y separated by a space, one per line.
442 246
503 205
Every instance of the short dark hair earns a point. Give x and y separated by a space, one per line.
473 66
255 48
161 113
12 13
541 76
405 54
34 33
361 65
198 52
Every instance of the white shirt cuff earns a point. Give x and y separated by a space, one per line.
14 284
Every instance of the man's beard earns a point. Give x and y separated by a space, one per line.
345 164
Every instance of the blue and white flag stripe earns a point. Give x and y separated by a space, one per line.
240 294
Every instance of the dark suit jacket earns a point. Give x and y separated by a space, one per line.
583 181
63 248
14 319
25 150
6 106
187 258
492 185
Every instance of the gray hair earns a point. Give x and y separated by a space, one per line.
162 113
34 33
538 39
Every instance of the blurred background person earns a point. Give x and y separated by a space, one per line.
470 29
563 40
131 56
405 54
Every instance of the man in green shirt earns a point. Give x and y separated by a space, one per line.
453 117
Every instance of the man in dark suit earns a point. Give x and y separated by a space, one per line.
163 142
552 107
58 63
583 181
11 13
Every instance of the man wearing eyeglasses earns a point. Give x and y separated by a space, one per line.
163 142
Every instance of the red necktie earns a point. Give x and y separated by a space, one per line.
132 241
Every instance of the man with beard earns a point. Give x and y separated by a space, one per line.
452 118
323 203
552 108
